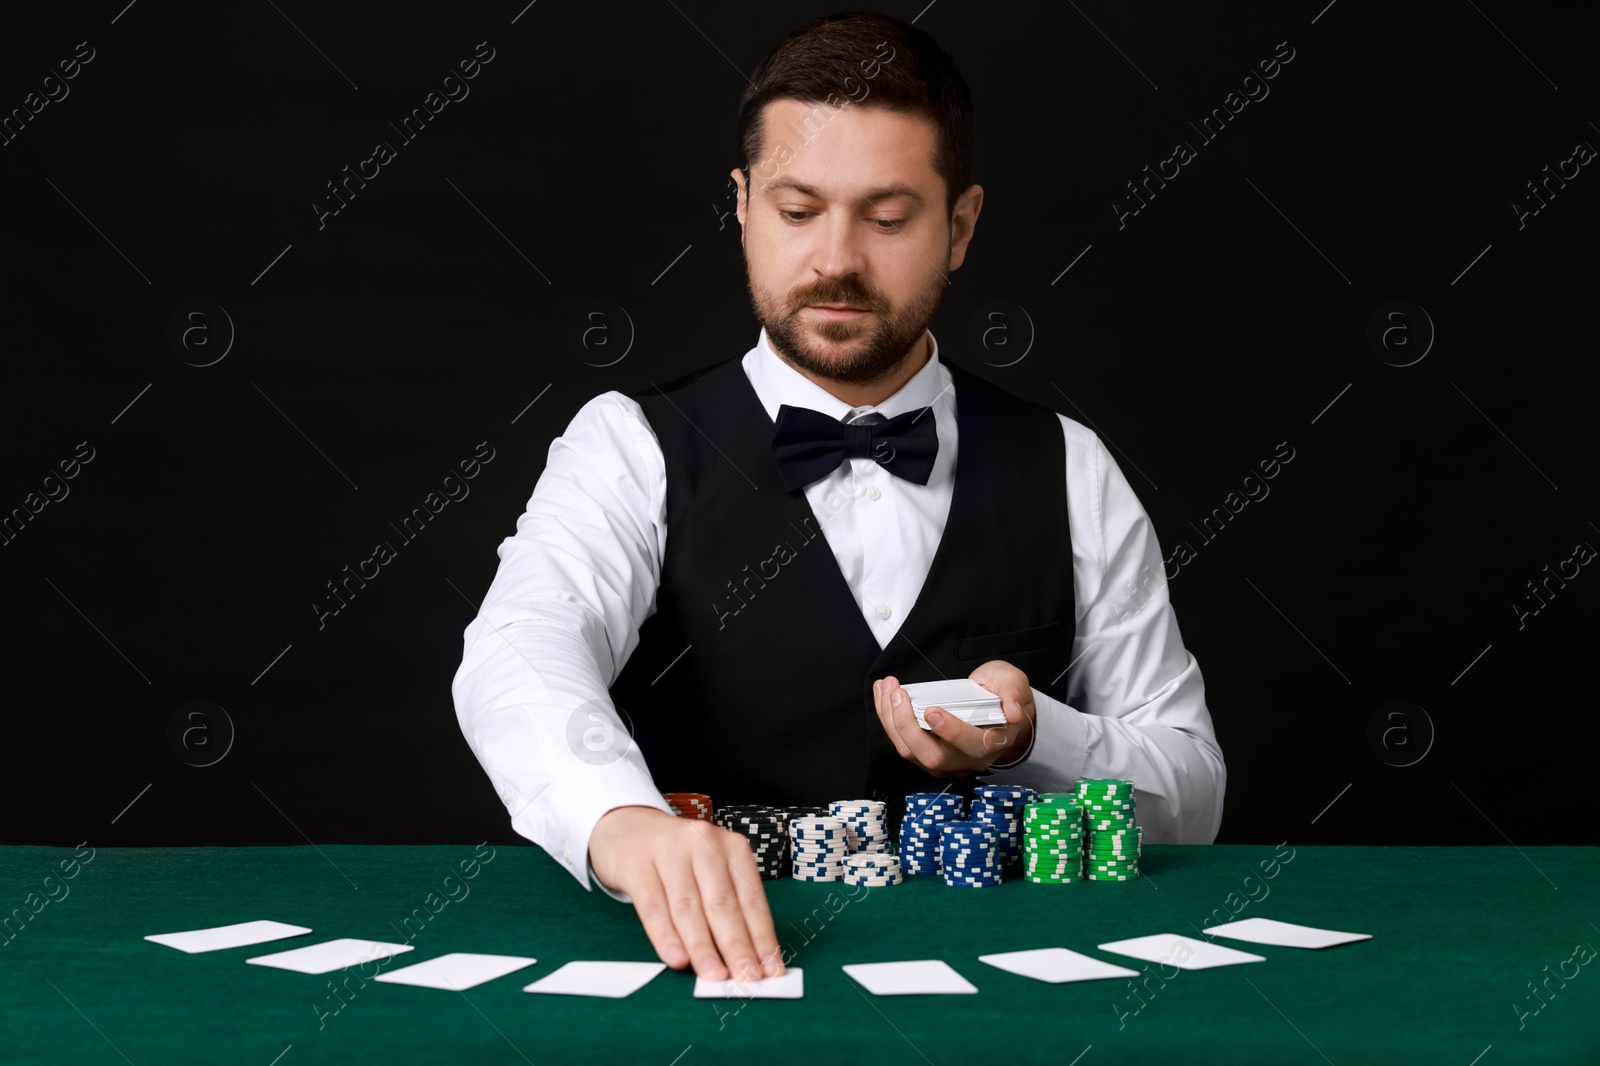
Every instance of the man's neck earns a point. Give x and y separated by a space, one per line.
874 393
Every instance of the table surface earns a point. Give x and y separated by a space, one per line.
1460 938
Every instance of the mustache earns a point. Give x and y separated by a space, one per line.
854 299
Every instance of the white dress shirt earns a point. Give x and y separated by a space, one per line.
580 576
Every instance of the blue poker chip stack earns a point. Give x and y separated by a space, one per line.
1001 806
920 839
969 854
818 848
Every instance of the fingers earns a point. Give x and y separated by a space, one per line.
650 902
915 743
757 914
952 748
972 741
1008 683
880 699
717 871
1016 701
699 896
680 882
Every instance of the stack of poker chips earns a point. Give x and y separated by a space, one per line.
866 824
818 848
969 854
689 804
1001 806
767 830
1113 852
872 869
920 837
1052 840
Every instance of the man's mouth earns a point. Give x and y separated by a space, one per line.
837 311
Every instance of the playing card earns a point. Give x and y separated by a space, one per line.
330 955
924 977
457 970
227 936
962 697
1181 952
1284 934
787 985
1056 965
949 694
614 980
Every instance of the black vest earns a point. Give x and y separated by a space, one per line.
772 700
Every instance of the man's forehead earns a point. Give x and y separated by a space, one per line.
830 189
846 153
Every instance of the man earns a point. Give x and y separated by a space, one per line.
758 651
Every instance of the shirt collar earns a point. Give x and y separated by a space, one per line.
777 383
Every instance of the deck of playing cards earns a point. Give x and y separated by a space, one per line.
962 697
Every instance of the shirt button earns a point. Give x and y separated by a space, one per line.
873 492
884 611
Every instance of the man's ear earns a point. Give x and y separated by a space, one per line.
741 182
963 224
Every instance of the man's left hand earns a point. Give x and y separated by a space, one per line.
954 748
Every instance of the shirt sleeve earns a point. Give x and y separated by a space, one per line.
555 629
1136 707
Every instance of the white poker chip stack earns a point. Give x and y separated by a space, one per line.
872 870
866 824
819 848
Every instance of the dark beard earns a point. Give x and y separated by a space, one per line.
885 347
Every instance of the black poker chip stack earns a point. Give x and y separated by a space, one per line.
767 829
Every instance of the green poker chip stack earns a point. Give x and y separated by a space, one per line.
1053 839
1113 847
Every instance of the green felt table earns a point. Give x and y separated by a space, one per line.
1458 935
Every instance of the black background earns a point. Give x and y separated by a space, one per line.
590 162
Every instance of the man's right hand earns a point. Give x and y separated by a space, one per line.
696 888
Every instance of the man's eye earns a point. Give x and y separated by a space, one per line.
883 225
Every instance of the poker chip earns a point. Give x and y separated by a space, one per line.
1111 851
969 854
689 804
766 829
950 802
1115 840
1001 806
872 870
1053 839
920 840
817 848
1104 786
866 824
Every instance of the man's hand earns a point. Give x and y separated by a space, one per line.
696 888
955 748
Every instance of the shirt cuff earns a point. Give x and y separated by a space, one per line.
564 817
1060 749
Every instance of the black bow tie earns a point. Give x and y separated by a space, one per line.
810 445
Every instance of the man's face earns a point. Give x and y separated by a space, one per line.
852 215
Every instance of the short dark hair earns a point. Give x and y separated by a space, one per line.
884 62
